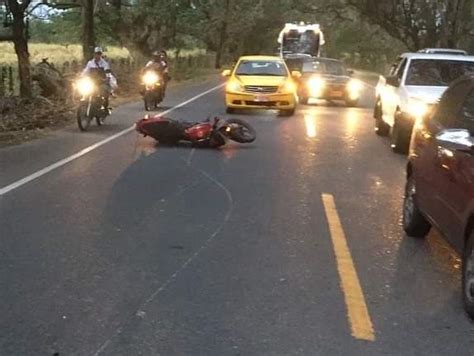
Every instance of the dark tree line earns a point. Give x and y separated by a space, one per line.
365 30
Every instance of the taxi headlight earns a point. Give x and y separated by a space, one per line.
234 86
288 87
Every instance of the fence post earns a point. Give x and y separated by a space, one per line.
3 77
11 83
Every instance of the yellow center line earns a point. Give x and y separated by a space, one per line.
359 318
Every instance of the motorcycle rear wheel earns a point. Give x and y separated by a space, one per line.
241 131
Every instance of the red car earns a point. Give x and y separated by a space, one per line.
440 178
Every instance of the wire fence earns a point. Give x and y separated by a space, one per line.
125 69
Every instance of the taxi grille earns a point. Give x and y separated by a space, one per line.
261 89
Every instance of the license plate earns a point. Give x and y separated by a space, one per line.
261 98
337 93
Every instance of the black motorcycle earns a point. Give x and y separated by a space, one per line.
94 99
153 89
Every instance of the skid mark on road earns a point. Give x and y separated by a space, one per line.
358 314
140 313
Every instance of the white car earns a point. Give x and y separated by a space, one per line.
459 52
415 83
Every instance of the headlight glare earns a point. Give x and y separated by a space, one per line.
234 86
85 86
417 108
289 87
150 78
354 87
316 85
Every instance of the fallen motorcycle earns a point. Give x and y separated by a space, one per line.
209 133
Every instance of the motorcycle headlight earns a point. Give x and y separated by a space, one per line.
316 85
354 87
85 86
150 78
417 108
234 86
288 87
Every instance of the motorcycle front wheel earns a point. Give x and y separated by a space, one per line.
84 116
240 131
149 101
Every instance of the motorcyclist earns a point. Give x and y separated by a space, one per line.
100 64
159 63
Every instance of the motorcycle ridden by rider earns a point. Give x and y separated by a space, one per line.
100 64
159 64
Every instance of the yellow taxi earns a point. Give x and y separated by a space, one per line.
261 82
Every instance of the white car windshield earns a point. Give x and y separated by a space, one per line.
436 72
261 67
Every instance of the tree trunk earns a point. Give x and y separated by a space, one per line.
88 40
222 35
20 42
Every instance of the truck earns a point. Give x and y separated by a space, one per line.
299 41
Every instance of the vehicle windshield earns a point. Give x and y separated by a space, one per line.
436 72
307 42
324 67
262 67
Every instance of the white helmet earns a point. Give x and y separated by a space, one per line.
98 50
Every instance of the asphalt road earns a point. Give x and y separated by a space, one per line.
291 245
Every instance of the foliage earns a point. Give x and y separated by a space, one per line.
57 54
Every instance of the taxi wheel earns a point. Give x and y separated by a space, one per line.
287 113
230 110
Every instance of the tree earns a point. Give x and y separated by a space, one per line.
88 38
418 23
20 40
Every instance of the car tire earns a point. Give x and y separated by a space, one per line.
400 137
287 113
468 275
381 128
230 110
414 223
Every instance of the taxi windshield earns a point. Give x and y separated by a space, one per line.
262 67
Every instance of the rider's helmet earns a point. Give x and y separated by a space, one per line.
98 50
156 55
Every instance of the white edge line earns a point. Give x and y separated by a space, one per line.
86 150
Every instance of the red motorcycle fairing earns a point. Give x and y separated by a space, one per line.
199 131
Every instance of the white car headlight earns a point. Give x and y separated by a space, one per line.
316 85
150 78
85 86
417 108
